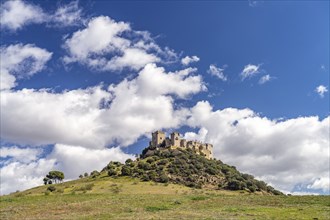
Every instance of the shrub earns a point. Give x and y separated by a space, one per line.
152 175
163 178
143 165
165 154
162 162
86 187
160 168
252 188
150 160
95 173
211 170
126 171
261 185
128 161
112 172
234 185
89 186
51 188
145 177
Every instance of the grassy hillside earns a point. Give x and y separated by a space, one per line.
166 184
105 197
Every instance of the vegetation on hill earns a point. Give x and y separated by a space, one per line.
54 176
104 197
184 167
117 193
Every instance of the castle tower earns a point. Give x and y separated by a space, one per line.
158 137
175 139
183 143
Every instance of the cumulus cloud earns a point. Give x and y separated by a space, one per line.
75 160
218 72
95 117
109 45
282 153
25 171
21 176
321 90
249 70
16 154
265 79
21 61
99 37
16 14
49 118
187 60
133 58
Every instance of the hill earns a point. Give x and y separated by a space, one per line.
162 184
183 166
104 197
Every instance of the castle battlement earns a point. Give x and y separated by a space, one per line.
159 140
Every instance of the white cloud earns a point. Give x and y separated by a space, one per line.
109 45
69 117
154 81
133 58
322 183
187 60
130 109
75 160
21 61
218 72
103 37
25 171
321 89
249 70
21 176
67 15
17 154
265 79
16 14
282 153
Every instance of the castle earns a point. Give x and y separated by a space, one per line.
160 141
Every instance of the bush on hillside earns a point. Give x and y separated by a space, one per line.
187 168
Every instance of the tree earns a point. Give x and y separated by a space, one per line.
81 176
54 176
85 174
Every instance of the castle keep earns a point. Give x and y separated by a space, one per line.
159 140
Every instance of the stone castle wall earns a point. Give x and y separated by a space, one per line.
159 140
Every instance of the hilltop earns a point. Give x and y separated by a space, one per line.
185 167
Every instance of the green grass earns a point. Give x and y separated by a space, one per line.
127 198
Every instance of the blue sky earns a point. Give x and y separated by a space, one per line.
92 79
